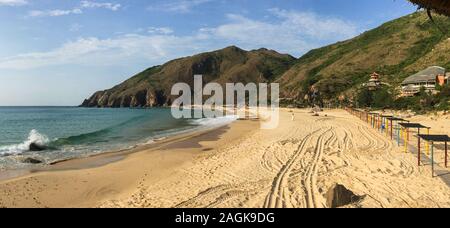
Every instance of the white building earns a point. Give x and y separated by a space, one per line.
427 79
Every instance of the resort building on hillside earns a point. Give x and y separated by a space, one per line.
428 79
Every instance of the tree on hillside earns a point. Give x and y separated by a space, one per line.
382 98
443 98
364 98
438 6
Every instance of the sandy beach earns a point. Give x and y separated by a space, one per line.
297 165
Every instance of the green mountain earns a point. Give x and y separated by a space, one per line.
395 50
152 87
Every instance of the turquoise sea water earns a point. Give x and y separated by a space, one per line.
68 132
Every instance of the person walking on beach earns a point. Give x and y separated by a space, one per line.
293 116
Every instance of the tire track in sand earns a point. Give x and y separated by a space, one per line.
278 196
310 179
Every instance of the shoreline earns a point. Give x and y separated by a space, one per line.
172 152
297 165
108 157
103 158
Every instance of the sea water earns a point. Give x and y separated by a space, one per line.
70 132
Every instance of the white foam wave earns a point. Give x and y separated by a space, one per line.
33 137
215 122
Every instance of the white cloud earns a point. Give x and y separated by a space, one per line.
76 10
314 25
115 51
178 6
13 2
106 5
160 30
285 31
53 13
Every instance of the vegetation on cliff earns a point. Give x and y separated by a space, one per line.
152 87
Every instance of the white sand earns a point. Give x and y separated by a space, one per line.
294 165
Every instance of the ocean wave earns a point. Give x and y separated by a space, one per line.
80 139
83 141
66 143
94 137
215 122
34 137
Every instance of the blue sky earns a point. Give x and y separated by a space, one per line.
58 52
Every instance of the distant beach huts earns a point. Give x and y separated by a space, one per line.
401 130
427 79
